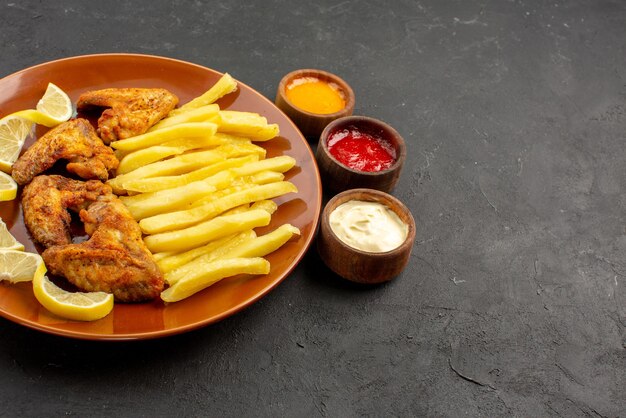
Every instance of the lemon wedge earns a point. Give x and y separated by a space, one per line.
18 266
78 306
37 117
8 241
13 132
8 187
53 108
56 104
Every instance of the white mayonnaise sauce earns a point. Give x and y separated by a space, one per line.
368 226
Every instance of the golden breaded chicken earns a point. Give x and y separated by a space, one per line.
113 260
47 200
75 141
132 110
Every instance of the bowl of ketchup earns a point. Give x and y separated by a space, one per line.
360 152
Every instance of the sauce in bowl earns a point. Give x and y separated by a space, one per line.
361 150
368 226
316 96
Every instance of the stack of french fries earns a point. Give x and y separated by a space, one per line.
198 186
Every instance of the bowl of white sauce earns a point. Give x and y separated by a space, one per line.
366 235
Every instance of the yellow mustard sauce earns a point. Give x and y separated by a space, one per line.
368 226
315 96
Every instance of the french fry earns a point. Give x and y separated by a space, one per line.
180 198
142 157
184 163
160 256
231 139
178 165
239 185
169 200
264 177
217 247
212 272
218 180
154 184
185 218
225 85
267 205
265 244
184 130
250 125
213 249
203 233
206 113
280 164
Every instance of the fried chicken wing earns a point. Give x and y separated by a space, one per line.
132 111
47 200
75 141
113 260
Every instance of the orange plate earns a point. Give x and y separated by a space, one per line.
76 75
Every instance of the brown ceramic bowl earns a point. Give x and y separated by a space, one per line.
312 124
362 266
337 177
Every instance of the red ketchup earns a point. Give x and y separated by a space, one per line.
361 150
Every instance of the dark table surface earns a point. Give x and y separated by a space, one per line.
514 301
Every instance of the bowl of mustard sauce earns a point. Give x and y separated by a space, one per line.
366 235
313 98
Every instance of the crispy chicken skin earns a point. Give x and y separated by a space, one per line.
46 202
132 111
114 259
75 141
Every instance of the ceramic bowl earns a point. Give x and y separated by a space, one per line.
312 124
362 266
337 177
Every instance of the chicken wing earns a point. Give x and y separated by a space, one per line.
76 141
114 259
47 200
132 110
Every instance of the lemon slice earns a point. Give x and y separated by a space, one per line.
53 108
78 306
56 104
8 241
13 132
8 187
18 266
37 117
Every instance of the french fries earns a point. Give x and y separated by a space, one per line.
155 153
204 232
168 261
242 245
184 130
150 204
185 163
246 124
210 273
224 86
206 113
186 218
154 184
198 186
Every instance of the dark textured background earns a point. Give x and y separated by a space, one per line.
514 301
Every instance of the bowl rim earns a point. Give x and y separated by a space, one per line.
303 72
400 149
346 196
